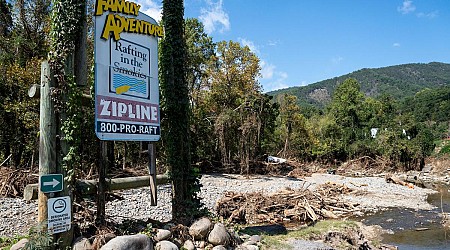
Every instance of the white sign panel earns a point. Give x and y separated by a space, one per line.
59 214
126 72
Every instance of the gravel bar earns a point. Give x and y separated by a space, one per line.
16 215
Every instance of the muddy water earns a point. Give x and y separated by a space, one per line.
415 229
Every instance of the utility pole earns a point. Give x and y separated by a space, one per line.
47 138
55 196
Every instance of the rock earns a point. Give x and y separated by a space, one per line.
220 247
82 243
219 235
200 244
255 238
427 168
199 230
101 240
129 242
251 247
19 245
162 234
251 242
236 239
189 245
166 245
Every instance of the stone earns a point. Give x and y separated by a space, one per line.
129 242
251 242
101 240
189 245
200 229
220 247
82 243
162 234
219 235
166 245
236 239
251 247
19 245
200 244
255 238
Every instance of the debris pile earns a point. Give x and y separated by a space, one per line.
12 182
303 205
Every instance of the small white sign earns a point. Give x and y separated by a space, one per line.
59 214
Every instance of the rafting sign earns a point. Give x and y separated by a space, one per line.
126 72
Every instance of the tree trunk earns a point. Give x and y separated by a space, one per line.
176 96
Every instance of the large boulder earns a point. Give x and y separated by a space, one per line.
219 235
82 243
162 234
101 240
129 242
200 229
166 245
189 245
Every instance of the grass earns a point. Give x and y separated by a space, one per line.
6 243
308 233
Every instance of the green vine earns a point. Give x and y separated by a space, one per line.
66 26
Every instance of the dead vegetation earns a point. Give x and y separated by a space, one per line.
300 206
13 181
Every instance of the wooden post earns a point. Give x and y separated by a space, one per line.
102 187
47 138
152 172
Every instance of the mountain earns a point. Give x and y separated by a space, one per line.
399 81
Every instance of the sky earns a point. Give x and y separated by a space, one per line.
300 42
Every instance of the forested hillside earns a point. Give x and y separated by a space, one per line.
399 81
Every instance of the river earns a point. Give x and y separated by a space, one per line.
414 229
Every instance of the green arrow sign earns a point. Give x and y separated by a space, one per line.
51 183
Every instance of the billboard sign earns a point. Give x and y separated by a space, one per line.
126 72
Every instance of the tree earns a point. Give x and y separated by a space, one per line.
200 49
175 99
292 129
345 107
232 99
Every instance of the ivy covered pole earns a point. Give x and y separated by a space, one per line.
67 20
175 101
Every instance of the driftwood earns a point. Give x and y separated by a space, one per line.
88 187
397 180
300 205
12 182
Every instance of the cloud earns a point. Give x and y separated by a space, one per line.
337 59
251 45
267 70
273 42
430 15
407 7
271 78
279 83
152 8
396 45
214 16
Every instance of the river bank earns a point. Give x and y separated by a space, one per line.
373 194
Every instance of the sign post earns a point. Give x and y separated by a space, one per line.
126 81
